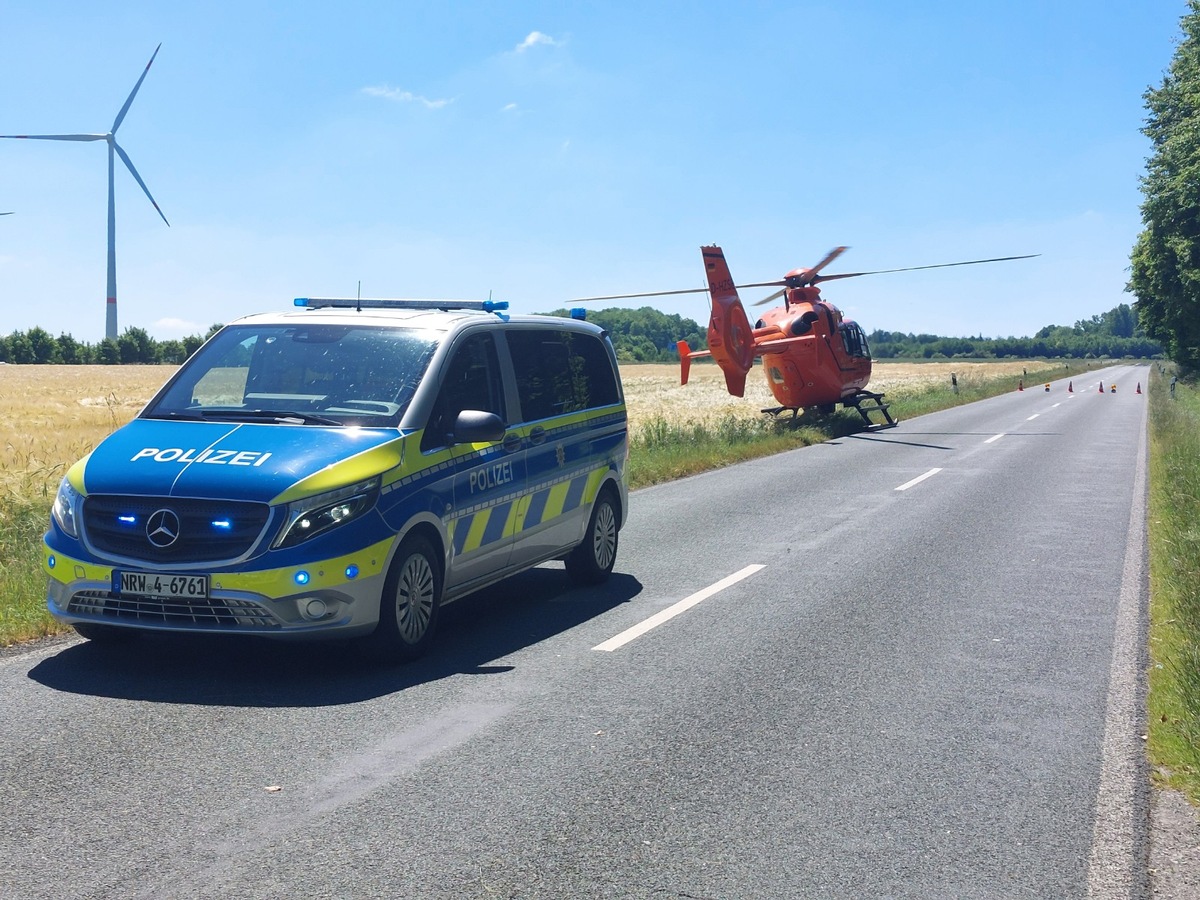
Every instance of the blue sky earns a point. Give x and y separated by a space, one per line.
543 151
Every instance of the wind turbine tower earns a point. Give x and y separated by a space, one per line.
110 325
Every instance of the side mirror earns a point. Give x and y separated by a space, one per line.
474 426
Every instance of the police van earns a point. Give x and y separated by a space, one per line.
345 469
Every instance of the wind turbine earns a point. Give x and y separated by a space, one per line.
110 329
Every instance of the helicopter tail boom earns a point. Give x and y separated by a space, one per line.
730 337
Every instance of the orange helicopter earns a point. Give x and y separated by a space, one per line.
813 357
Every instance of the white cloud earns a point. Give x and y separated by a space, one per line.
396 95
510 107
533 39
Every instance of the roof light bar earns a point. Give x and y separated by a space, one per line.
385 303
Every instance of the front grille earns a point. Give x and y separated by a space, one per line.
207 530
212 613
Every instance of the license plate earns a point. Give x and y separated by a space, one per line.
162 584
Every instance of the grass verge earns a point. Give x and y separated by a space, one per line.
662 450
1174 527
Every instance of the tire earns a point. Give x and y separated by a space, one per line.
104 634
592 561
409 605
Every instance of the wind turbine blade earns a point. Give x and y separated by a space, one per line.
6 214
55 137
138 178
124 109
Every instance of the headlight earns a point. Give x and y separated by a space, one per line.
64 507
315 515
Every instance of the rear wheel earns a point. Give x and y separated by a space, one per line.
592 561
412 594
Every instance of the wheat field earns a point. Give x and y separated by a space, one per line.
51 416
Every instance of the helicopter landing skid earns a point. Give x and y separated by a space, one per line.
867 402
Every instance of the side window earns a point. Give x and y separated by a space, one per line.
542 365
471 380
560 372
595 381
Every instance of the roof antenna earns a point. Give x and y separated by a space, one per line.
358 299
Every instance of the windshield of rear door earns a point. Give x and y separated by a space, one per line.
316 374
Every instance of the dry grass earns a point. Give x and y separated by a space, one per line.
50 416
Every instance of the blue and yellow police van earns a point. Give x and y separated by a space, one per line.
344 469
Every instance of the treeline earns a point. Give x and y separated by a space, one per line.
646 334
134 346
649 335
1114 334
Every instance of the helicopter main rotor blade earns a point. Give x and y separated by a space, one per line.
634 296
775 296
829 257
970 262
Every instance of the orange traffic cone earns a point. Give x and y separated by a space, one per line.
1020 384
1139 390
1114 387
1047 387
1070 387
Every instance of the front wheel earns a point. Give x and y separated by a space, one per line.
592 561
412 595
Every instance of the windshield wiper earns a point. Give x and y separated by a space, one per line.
226 415
289 415
178 414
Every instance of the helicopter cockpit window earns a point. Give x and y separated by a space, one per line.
854 339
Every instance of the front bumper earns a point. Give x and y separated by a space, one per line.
328 598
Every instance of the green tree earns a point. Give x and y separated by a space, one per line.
171 352
136 346
108 353
69 349
45 348
1166 257
191 344
20 350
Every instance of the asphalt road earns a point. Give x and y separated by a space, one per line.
917 675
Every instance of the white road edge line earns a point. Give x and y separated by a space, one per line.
918 479
1034 416
1116 868
675 609
995 437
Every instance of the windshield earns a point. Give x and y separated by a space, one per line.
307 374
